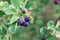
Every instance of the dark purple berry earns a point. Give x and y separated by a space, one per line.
20 22
27 19
43 38
23 11
56 1
26 24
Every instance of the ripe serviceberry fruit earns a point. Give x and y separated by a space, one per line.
43 38
20 22
26 24
23 11
27 19
56 1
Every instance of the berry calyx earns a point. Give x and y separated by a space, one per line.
27 19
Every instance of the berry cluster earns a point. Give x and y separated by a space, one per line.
26 20
57 1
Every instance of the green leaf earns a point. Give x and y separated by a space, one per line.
57 30
0 7
7 9
43 30
5 21
50 24
5 4
14 18
16 3
1 33
30 4
24 15
1 39
31 19
4 29
51 37
1 14
12 28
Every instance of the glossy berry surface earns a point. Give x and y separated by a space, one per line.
20 22
43 38
26 24
23 11
27 19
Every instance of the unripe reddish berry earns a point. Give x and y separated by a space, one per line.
5 16
29 12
